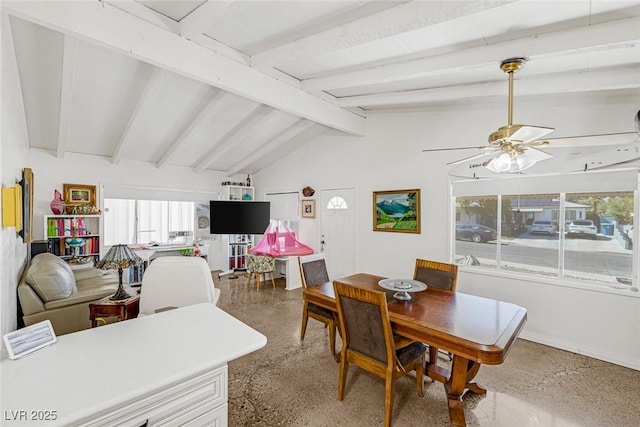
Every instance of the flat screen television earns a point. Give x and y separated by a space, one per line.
238 217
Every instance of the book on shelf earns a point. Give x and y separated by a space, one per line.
60 247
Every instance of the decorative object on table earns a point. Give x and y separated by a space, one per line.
57 204
397 210
278 241
196 249
119 257
248 181
80 198
308 191
29 339
402 287
308 208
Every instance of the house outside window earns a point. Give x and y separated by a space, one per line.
588 236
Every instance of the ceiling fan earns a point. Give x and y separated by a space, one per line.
513 142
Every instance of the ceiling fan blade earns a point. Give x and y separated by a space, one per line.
454 148
537 155
477 156
527 134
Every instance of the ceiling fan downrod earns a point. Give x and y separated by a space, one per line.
510 66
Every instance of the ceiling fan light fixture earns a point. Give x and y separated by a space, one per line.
508 163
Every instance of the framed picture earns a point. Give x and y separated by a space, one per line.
396 210
308 208
27 205
79 194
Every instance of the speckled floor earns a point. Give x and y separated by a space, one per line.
294 383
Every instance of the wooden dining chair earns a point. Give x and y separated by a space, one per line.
313 271
439 275
436 274
368 342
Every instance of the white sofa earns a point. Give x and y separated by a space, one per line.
49 289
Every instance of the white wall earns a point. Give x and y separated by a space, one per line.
599 324
13 157
126 179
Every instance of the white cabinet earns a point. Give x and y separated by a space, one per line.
167 369
73 236
237 192
238 245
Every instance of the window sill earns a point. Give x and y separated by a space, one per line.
622 290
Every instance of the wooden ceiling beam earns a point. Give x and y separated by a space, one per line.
414 16
220 147
283 137
610 35
95 22
593 81
132 130
69 58
216 104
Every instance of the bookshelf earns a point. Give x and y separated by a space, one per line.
73 236
239 244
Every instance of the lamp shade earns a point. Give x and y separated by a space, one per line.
118 257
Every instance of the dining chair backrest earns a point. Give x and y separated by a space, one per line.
436 274
313 269
364 322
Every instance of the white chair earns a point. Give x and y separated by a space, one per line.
176 281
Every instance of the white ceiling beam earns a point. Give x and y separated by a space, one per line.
287 147
221 48
69 59
132 130
392 22
623 78
143 12
206 15
217 103
94 21
351 11
291 132
578 40
236 136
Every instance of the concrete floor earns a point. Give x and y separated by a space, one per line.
294 383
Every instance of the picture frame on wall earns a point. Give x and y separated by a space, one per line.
27 205
397 211
79 194
308 208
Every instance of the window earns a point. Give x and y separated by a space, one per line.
337 202
143 221
580 236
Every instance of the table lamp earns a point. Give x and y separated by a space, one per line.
120 257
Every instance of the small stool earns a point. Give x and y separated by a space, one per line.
260 265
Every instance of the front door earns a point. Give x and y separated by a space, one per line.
337 232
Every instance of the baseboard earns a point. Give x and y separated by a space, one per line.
596 353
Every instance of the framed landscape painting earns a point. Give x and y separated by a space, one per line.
396 210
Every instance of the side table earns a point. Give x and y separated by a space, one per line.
124 309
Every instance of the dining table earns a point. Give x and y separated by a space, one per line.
474 330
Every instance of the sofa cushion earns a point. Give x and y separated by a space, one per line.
50 277
87 273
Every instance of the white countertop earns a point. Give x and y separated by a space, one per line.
93 370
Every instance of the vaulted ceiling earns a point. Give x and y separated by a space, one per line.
233 85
